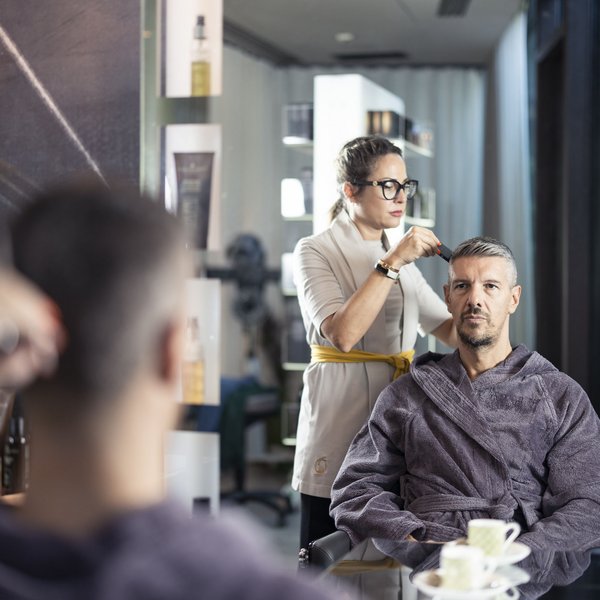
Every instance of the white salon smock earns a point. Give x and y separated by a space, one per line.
337 398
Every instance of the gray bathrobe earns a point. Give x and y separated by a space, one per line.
520 442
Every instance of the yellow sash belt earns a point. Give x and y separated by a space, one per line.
401 361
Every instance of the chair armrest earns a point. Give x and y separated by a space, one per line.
328 550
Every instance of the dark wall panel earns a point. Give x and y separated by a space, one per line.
549 213
83 58
567 186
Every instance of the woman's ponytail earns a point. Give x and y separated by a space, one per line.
336 208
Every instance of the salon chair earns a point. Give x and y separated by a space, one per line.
244 402
325 552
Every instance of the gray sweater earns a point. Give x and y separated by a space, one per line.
158 553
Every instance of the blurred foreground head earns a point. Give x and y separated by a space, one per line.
113 262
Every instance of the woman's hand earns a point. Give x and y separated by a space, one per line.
415 243
349 323
31 335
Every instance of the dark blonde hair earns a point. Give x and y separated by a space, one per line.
355 161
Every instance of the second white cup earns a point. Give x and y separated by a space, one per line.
493 536
464 567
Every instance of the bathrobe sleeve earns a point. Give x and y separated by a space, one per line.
365 499
571 502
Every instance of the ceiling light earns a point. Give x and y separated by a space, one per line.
344 37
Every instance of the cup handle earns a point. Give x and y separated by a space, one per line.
515 530
512 593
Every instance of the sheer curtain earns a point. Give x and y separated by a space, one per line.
508 203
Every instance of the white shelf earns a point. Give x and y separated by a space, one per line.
300 144
289 366
306 218
412 150
419 222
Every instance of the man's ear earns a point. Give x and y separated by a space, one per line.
515 297
171 351
447 295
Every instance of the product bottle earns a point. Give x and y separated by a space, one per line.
193 365
200 60
6 404
24 453
15 459
10 458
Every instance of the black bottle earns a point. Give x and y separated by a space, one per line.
15 459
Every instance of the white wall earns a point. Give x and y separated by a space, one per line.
250 114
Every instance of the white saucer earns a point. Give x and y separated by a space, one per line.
513 554
510 594
515 575
429 582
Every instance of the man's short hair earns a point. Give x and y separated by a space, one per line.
483 247
112 262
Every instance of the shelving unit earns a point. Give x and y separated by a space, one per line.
297 119
191 457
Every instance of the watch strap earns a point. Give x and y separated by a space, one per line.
387 270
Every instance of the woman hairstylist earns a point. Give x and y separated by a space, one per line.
362 302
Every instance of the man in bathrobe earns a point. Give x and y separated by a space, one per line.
490 431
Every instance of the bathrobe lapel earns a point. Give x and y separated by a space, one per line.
461 408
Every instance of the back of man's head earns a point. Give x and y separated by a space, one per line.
112 262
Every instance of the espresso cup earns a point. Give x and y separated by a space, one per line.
493 536
464 567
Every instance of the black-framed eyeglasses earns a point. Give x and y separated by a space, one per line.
391 187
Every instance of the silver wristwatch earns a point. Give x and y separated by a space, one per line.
387 270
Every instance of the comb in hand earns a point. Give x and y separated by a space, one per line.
445 252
